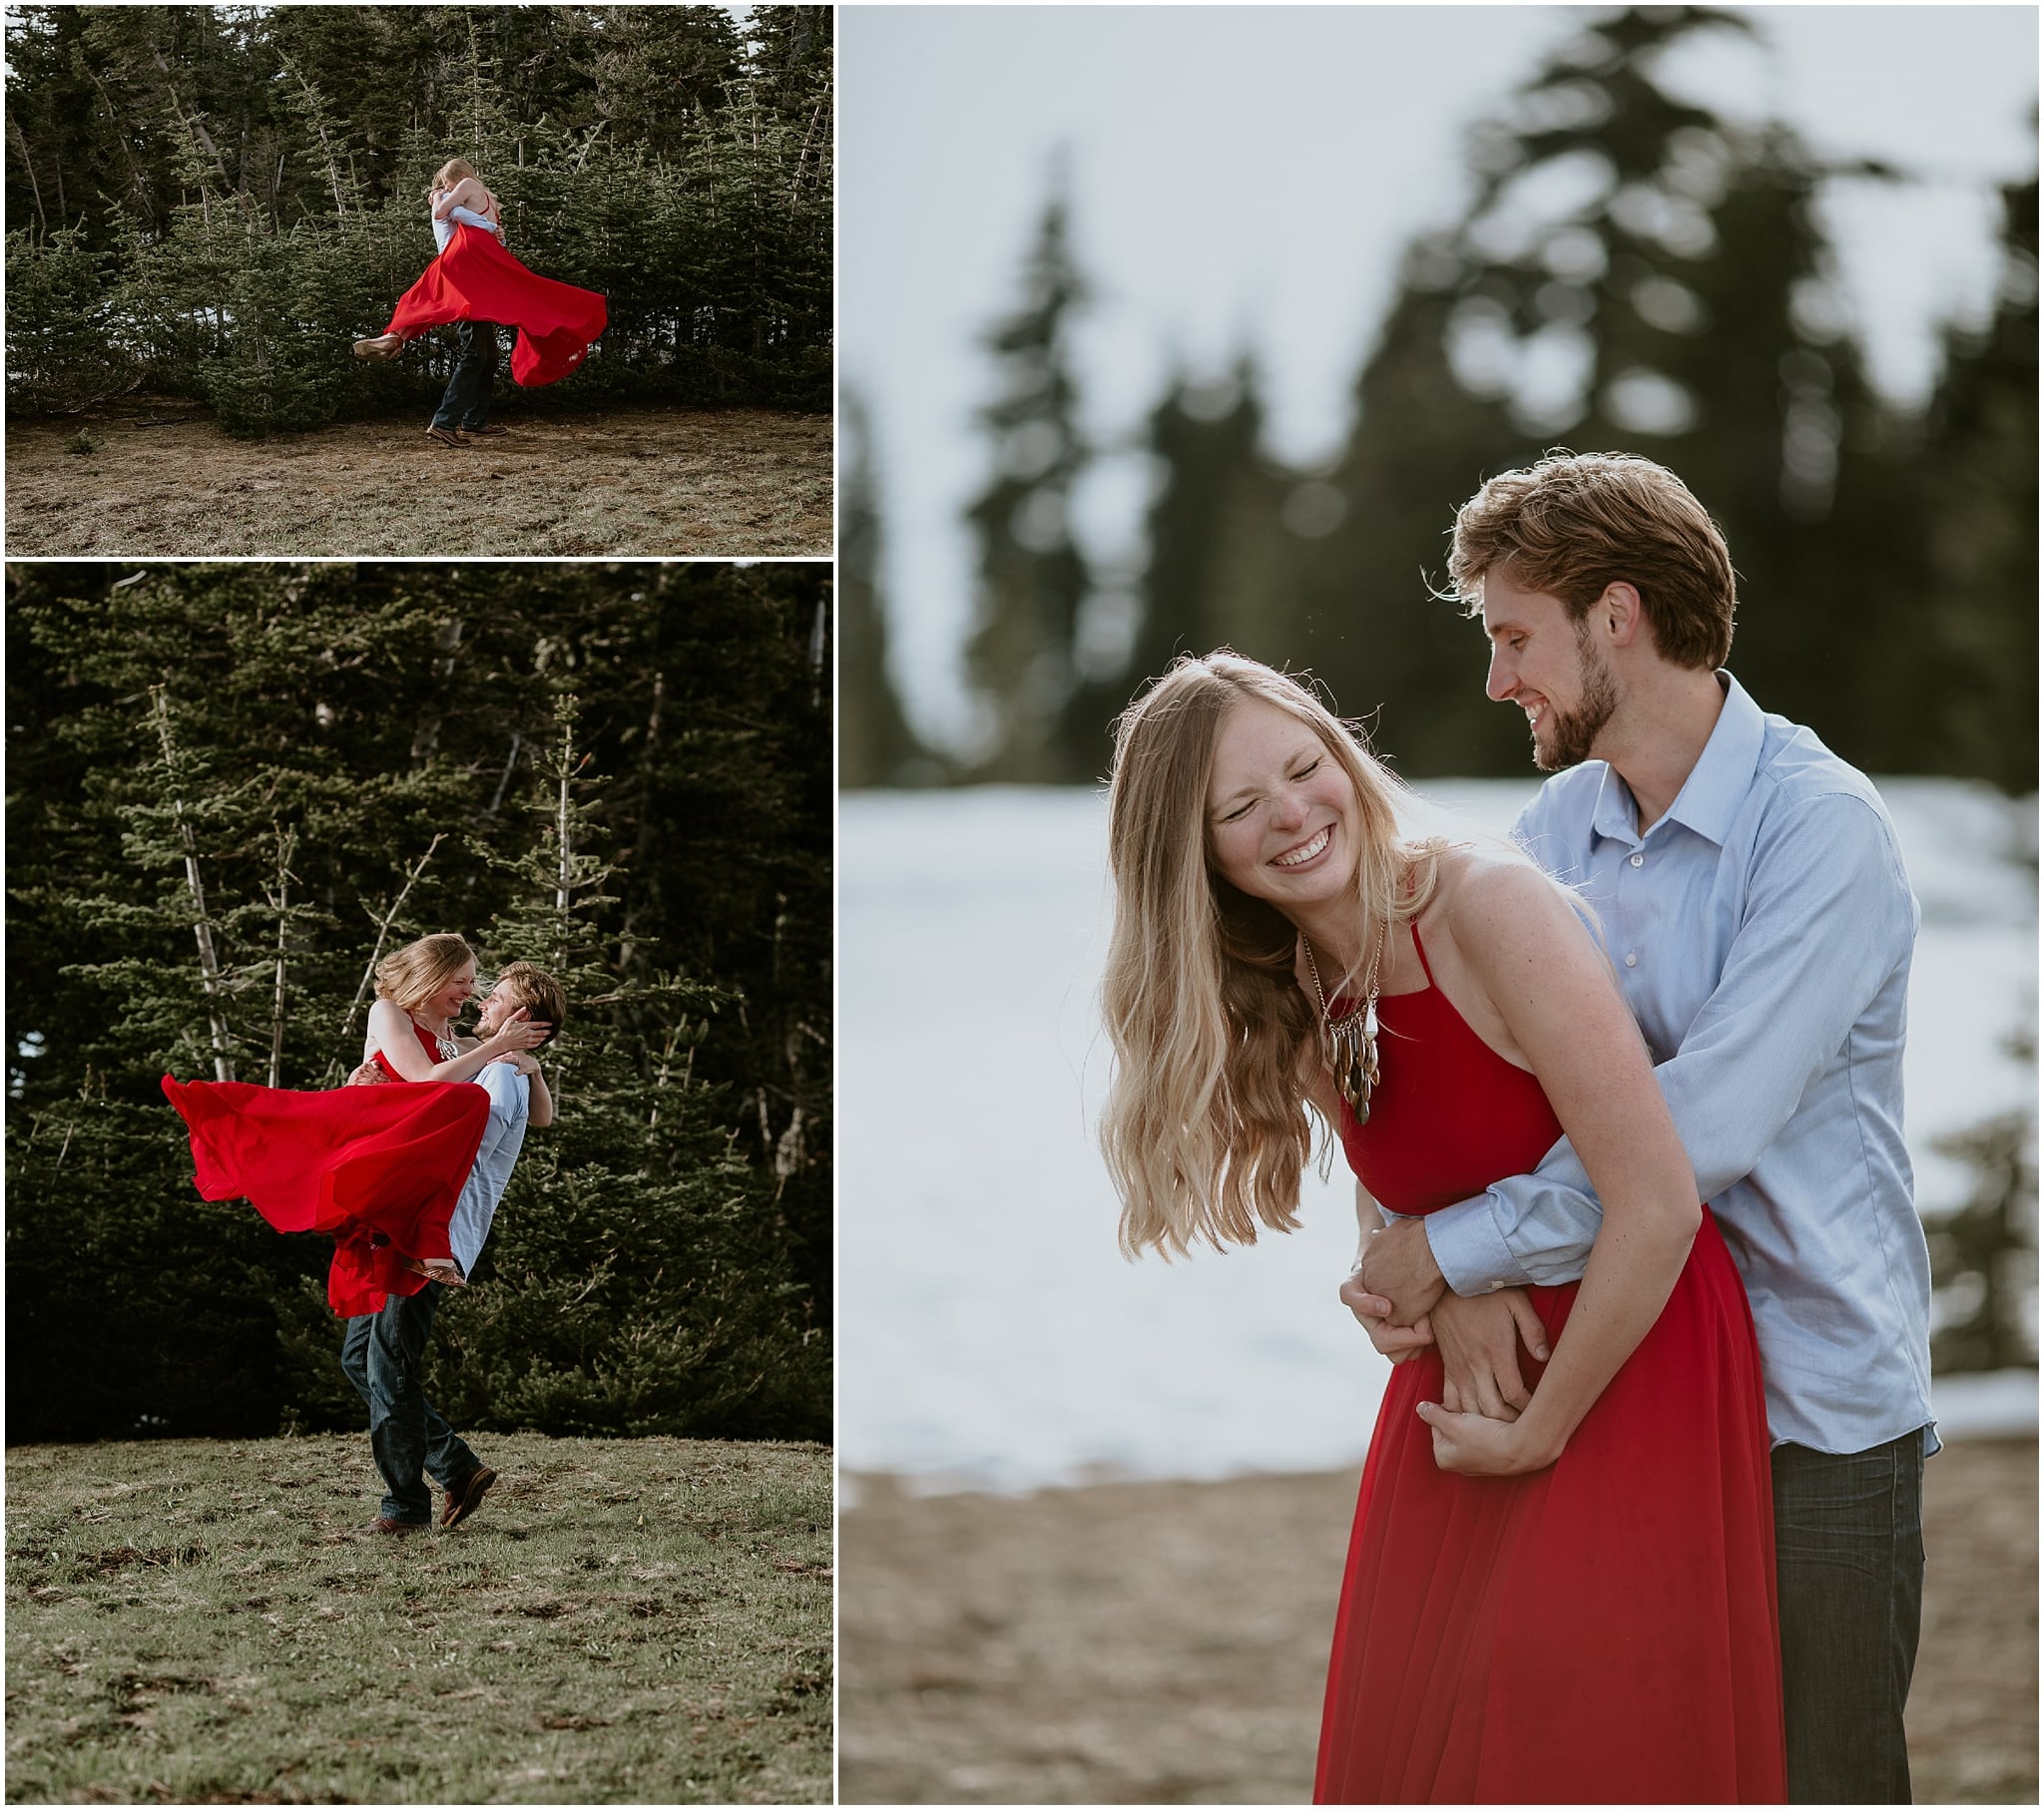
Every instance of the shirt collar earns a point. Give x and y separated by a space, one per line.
1717 785
1711 797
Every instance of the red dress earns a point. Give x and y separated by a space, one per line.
1600 1632
379 1169
476 278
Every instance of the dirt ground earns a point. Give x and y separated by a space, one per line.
1165 1642
162 480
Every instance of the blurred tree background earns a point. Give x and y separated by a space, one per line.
213 201
1633 275
621 771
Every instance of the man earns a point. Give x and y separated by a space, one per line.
465 403
383 1353
1751 895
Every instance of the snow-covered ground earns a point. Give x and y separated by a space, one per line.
990 1333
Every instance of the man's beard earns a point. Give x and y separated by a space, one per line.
1571 733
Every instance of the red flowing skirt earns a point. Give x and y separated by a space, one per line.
476 278
1600 1632
379 1169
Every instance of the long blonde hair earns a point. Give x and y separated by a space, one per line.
451 173
1207 1129
410 977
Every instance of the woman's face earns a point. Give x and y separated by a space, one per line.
455 992
1280 812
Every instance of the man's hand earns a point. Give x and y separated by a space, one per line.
1397 1266
1374 1314
1479 1337
367 1076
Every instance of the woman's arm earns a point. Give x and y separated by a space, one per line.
393 1034
1561 1006
468 192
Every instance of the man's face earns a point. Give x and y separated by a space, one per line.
497 1006
1550 667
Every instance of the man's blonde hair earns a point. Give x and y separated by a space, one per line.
538 992
1577 521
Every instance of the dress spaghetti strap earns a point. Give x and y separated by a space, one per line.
1420 949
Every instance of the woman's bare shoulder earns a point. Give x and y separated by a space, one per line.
1499 904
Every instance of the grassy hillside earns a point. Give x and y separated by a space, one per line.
622 1620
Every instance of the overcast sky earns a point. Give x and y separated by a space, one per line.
1245 178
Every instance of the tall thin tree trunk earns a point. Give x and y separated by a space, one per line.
28 164
563 877
286 845
382 933
209 962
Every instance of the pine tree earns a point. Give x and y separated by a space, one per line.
635 1279
1635 275
1216 531
317 762
875 745
214 201
1033 579
1956 672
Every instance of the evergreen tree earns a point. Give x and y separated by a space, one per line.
630 1249
310 765
1956 674
214 201
1637 276
1215 531
1033 579
875 745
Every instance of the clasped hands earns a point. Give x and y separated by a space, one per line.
1399 1298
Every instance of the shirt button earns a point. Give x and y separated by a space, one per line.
1639 860
1631 959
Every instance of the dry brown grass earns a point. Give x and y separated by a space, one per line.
1166 1642
656 482
623 1620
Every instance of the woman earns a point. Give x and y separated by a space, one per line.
476 278
1574 1606
379 1169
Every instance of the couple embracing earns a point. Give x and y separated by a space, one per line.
477 285
405 1179
1641 1516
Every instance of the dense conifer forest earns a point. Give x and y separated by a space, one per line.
213 201
1672 267
231 786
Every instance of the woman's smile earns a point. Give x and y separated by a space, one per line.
1279 810
1308 851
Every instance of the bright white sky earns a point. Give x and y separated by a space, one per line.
1246 176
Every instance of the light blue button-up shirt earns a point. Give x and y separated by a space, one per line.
503 1137
1761 932
444 230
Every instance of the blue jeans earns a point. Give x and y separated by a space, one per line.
383 1354
467 399
1849 1548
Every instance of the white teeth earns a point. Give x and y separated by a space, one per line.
1304 852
